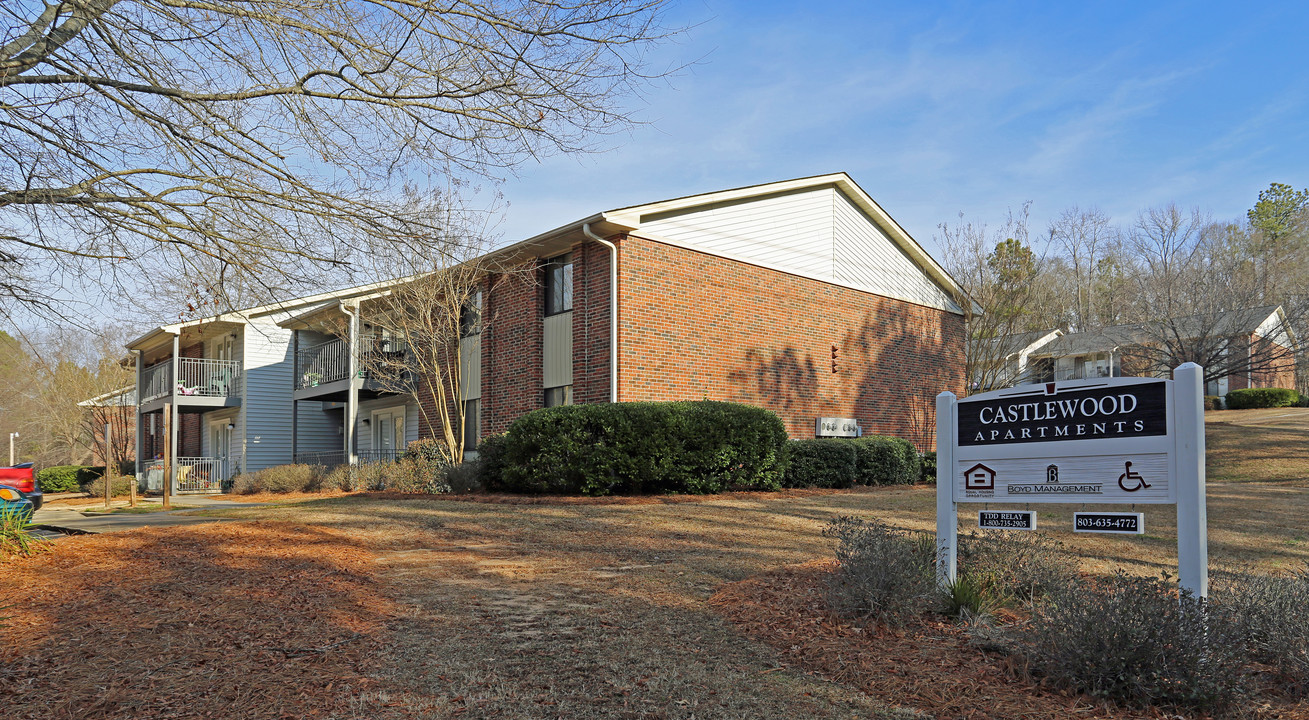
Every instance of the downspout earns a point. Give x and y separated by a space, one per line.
352 394
137 424
613 309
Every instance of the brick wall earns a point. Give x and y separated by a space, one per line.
591 329
697 326
511 348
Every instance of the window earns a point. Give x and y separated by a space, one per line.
559 285
556 396
470 315
472 423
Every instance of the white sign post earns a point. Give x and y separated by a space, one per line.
1108 440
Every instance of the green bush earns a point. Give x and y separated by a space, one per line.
928 460
884 575
824 463
642 447
490 460
60 478
1135 640
428 448
1261 398
882 460
1213 402
122 486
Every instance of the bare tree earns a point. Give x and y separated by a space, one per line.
1004 276
1086 238
270 141
1199 299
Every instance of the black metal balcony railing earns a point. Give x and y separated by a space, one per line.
330 361
201 377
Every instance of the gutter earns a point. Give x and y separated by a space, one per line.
613 309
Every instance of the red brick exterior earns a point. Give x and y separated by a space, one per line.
511 348
591 328
1275 370
694 325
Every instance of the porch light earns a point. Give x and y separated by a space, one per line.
231 426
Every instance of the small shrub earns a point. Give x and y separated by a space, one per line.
427 448
884 575
928 474
1261 398
1213 402
279 479
1269 613
1133 639
490 461
971 596
59 478
417 474
339 478
15 538
122 486
464 477
1017 565
823 463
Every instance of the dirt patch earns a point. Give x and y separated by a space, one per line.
259 620
930 666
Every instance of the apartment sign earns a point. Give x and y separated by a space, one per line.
1125 441
1096 441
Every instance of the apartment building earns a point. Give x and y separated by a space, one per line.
802 296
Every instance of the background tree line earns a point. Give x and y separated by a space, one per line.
42 380
1173 274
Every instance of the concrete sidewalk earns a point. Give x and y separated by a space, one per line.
72 520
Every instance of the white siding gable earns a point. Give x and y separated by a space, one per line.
864 257
815 232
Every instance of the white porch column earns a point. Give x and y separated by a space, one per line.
173 431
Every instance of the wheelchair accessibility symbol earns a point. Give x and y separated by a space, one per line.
1131 481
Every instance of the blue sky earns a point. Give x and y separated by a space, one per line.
938 108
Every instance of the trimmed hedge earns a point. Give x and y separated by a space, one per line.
884 460
1261 398
61 478
641 447
822 463
878 460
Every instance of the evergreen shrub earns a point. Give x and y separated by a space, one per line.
823 463
641 447
1261 398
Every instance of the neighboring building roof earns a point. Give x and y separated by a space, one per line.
896 273
123 396
1244 321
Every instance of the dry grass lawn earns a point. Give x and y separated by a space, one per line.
368 606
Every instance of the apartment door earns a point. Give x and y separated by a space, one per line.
220 449
388 433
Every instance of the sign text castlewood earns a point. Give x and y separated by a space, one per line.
1106 412
1081 441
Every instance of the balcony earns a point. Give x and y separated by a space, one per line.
202 384
322 371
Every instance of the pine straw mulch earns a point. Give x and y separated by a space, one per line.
249 620
930 667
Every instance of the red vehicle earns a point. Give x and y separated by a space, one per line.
21 478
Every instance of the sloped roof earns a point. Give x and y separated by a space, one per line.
613 222
1232 322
